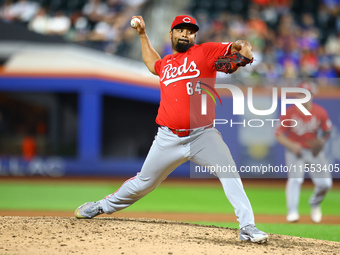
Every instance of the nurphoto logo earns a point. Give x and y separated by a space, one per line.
240 101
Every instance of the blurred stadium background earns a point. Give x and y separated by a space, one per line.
76 99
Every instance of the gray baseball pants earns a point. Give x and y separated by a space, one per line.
322 179
168 151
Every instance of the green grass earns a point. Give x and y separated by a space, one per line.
213 199
166 198
51 196
170 198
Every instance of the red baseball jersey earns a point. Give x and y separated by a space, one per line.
307 125
180 77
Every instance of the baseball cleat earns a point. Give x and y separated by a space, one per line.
316 214
251 233
293 217
88 210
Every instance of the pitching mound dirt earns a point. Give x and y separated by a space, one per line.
61 235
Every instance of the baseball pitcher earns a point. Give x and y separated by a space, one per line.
184 133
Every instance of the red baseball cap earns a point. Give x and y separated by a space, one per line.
307 85
184 20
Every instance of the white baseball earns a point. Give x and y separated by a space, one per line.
134 22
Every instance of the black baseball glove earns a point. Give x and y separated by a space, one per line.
230 63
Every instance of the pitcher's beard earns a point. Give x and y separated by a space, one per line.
182 47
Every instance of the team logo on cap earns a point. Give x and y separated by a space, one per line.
186 20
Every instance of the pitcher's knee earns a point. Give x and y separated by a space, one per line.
145 189
145 185
325 185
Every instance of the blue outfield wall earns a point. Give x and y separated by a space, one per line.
249 146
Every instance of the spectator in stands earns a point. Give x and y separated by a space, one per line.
6 12
326 70
255 23
39 23
308 63
58 24
290 40
104 31
115 6
95 11
24 10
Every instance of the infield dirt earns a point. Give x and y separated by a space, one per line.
108 235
